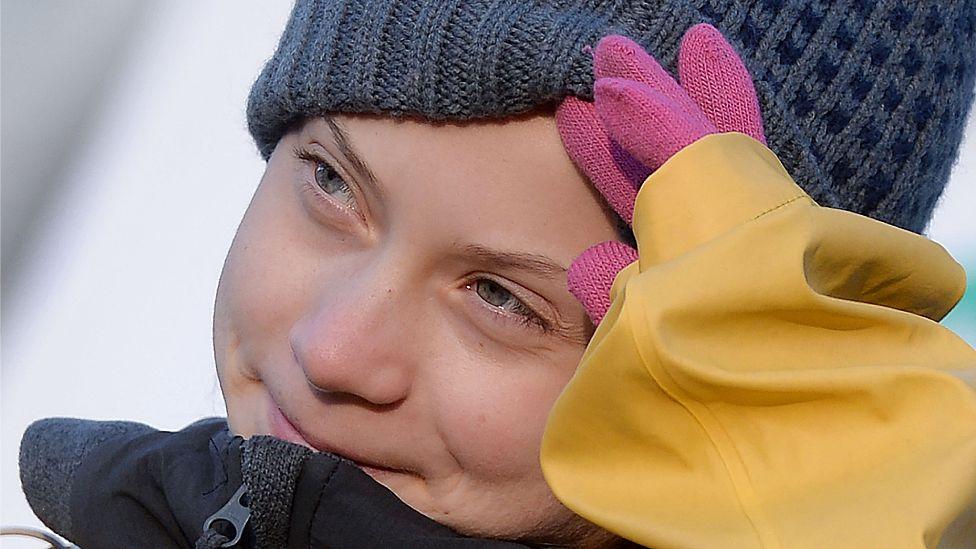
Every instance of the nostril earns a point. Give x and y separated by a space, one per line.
352 347
374 384
372 402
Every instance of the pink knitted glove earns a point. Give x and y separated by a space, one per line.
640 117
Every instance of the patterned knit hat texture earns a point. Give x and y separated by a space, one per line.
864 101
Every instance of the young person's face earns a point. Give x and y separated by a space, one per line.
417 321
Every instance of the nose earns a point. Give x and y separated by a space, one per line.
355 339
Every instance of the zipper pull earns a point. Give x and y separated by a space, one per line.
230 520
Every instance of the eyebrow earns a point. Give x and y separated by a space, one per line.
526 262
521 261
345 147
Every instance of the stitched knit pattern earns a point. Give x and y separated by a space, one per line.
270 468
864 101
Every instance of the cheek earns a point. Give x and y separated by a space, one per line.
276 257
253 282
264 288
492 416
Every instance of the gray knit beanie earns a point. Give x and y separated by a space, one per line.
864 101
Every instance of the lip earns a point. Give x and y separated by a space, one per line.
284 429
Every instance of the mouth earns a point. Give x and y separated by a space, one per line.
284 429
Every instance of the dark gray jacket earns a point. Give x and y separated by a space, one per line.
122 484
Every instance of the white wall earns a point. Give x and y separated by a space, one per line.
112 317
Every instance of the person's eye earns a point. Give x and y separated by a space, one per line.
508 307
327 180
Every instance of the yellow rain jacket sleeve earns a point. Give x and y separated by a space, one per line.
771 373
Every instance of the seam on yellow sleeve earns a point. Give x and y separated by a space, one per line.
710 424
778 206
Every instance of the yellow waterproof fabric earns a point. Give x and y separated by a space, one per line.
771 373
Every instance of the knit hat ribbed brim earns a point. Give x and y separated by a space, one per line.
864 101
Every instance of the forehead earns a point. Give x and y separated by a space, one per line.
504 183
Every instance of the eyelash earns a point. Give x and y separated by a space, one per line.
312 186
526 317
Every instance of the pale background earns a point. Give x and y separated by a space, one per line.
126 167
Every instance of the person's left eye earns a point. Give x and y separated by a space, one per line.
507 304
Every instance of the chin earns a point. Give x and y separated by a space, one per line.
255 412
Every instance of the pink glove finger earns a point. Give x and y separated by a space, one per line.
613 171
716 78
591 275
617 56
648 124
